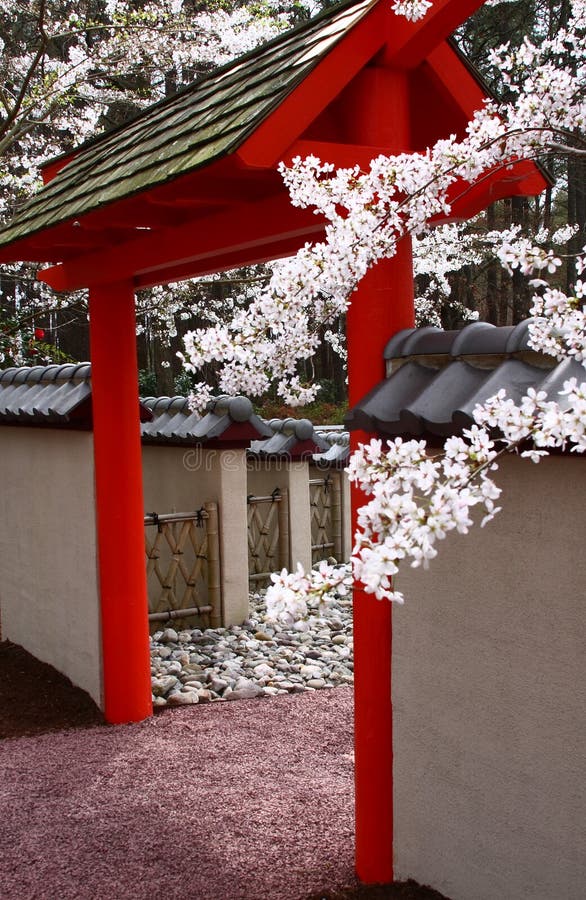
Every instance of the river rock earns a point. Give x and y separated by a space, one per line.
217 684
263 670
163 684
310 671
183 698
244 689
169 636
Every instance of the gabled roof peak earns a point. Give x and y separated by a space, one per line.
198 125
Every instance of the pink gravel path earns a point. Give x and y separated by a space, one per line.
251 800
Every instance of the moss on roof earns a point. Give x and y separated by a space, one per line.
205 121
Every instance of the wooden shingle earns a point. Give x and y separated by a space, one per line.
205 121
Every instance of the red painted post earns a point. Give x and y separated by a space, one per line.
119 504
382 305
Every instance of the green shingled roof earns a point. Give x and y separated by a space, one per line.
207 120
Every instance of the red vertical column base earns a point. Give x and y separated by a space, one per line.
374 744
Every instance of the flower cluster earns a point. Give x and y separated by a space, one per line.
437 254
415 500
560 329
416 496
367 213
292 595
412 10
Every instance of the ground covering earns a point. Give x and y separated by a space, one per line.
35 698
36 702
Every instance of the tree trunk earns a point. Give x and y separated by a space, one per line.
576 213
492 273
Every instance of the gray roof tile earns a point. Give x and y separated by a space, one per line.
61 396
436 378
294 438
338 448
227 419
46 395
478 338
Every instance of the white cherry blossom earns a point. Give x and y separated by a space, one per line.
367 212
416 496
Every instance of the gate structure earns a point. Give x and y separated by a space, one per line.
326 517
183 565
191 186
268 535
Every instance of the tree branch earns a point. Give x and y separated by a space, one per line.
33 66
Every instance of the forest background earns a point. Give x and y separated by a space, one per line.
71 70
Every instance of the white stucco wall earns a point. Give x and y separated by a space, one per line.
291 475
49 601
177 479
489 698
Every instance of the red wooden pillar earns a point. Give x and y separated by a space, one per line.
382 305
119 504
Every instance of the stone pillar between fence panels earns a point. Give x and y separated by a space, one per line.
347 536
299 513
232 513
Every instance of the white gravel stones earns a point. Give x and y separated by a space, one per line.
256 659
169 636
182 698
164 685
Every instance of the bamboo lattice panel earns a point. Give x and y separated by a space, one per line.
326 534
177 564
268 536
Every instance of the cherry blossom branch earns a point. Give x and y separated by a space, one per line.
417 497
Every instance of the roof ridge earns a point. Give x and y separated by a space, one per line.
49 374
293 32
474 338
129 159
